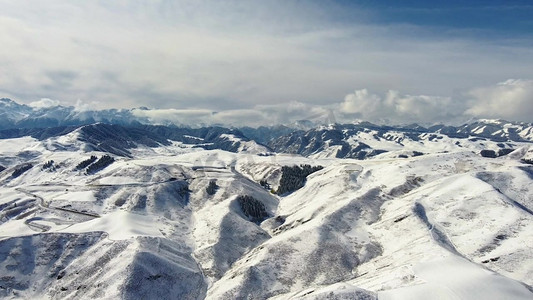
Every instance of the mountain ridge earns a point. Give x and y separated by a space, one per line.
111 211
16 116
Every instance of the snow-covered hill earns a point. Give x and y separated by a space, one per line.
429 218
120 140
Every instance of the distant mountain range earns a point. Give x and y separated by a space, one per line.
117 130
15 115
365 139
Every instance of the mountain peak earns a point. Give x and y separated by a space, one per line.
7 101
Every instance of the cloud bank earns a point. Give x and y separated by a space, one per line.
256 116
44 103
394 107
511 100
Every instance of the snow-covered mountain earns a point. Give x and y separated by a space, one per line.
20 116
364 140
15 115
156 212
118 140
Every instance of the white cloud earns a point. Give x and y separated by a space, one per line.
240 117
362 103
258 115
44 102
293 111
82 106
175 116
275 114
397 108
511 99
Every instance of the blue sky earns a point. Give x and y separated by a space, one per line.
479 14
402 61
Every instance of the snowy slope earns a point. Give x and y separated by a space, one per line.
449 223
372 227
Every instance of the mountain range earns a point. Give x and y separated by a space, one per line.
15 115
111 206
356 140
